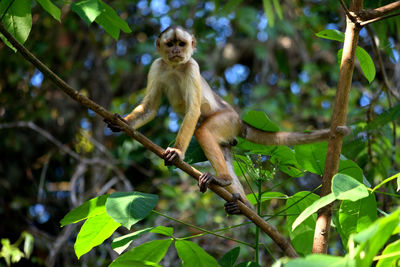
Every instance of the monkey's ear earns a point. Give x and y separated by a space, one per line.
158 44
193 42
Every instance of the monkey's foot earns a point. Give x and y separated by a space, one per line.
113 127
231 207
206 178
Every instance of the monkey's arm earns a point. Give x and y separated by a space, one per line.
192 114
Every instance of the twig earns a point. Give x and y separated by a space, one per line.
366 22
276 236
347 11
379 12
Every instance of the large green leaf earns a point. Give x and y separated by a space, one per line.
128 208
355 216
229 259
111 21
18 19
331 35
366 64
312 156
119 244
153 251
93 232
390 255
314 207
302 237
373 238
192 255
50 8
88 10
88 209
345 187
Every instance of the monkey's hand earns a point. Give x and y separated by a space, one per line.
171 155
113 127
206 178
231 207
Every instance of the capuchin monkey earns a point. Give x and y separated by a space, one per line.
213 121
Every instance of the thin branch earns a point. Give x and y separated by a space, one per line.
379 12
366 22
5 12
347 11
270 230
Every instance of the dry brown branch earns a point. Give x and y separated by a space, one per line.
277 237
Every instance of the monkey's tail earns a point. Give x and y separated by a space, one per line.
281 138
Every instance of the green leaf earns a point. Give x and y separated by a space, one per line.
390 255
194 152
229 259
312 156
18 19
366 64
318 260
50 8
266 196
192 255
355 216
269 13
339 56
331 35
260 120
28 243
303 236
88 209
162 230
153 251
93 232
314 207
345 187
373 238
88 10
119 244
278 8
128 208
111 22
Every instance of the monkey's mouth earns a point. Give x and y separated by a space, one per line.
176 58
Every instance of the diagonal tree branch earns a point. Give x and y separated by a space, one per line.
282 242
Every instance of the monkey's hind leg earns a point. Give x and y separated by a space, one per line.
218 128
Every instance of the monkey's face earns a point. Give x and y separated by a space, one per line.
175 46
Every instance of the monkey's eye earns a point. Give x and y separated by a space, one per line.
182 44
170 44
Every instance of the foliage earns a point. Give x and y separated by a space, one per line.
266 56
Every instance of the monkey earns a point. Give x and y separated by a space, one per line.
213 121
